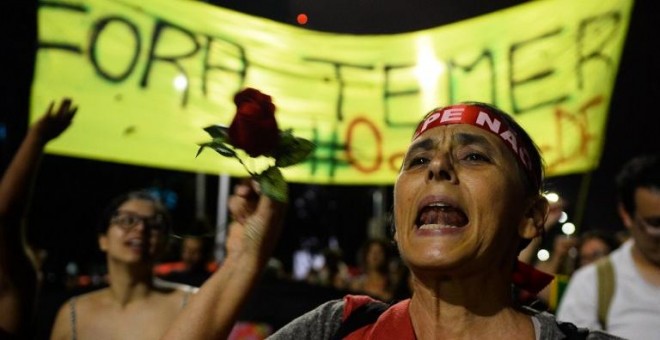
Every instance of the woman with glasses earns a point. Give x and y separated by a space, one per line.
136 305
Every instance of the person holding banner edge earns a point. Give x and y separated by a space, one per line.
467 199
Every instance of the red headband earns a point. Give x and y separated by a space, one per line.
487 120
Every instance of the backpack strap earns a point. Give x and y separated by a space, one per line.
361 316
606 284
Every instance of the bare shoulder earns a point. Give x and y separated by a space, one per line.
82 302
70 309
90 301
176 292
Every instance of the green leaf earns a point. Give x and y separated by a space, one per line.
273 184
219 147
287 139
217 131
224 150
293 151
201 148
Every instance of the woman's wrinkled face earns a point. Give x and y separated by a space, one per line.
459 202
134 234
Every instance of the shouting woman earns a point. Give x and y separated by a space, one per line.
468 198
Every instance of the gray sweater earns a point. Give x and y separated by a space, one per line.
324 321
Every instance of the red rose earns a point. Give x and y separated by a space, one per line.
254 128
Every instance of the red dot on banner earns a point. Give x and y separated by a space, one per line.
302 18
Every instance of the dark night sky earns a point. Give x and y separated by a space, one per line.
70 192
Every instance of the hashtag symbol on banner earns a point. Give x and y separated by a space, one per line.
329 153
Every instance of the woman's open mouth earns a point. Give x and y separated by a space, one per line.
440 215
135 244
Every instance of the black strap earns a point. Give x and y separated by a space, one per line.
360 317
572 332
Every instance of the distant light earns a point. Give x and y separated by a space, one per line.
301 18
543 255
180 82
428 70
563 217
552 197
71 269
568 228
318 261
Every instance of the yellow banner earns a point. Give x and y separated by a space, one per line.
148 75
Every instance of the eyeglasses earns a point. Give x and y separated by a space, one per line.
650 221
128 221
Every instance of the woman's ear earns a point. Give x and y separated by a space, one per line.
625 216
535 218
103 242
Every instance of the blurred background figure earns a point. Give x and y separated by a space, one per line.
562 257
594 245
374 279
621 292
569 254
133 233
196 254
333 273
20 264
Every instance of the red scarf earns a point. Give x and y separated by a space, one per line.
394 323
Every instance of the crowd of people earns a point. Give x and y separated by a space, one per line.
469 208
